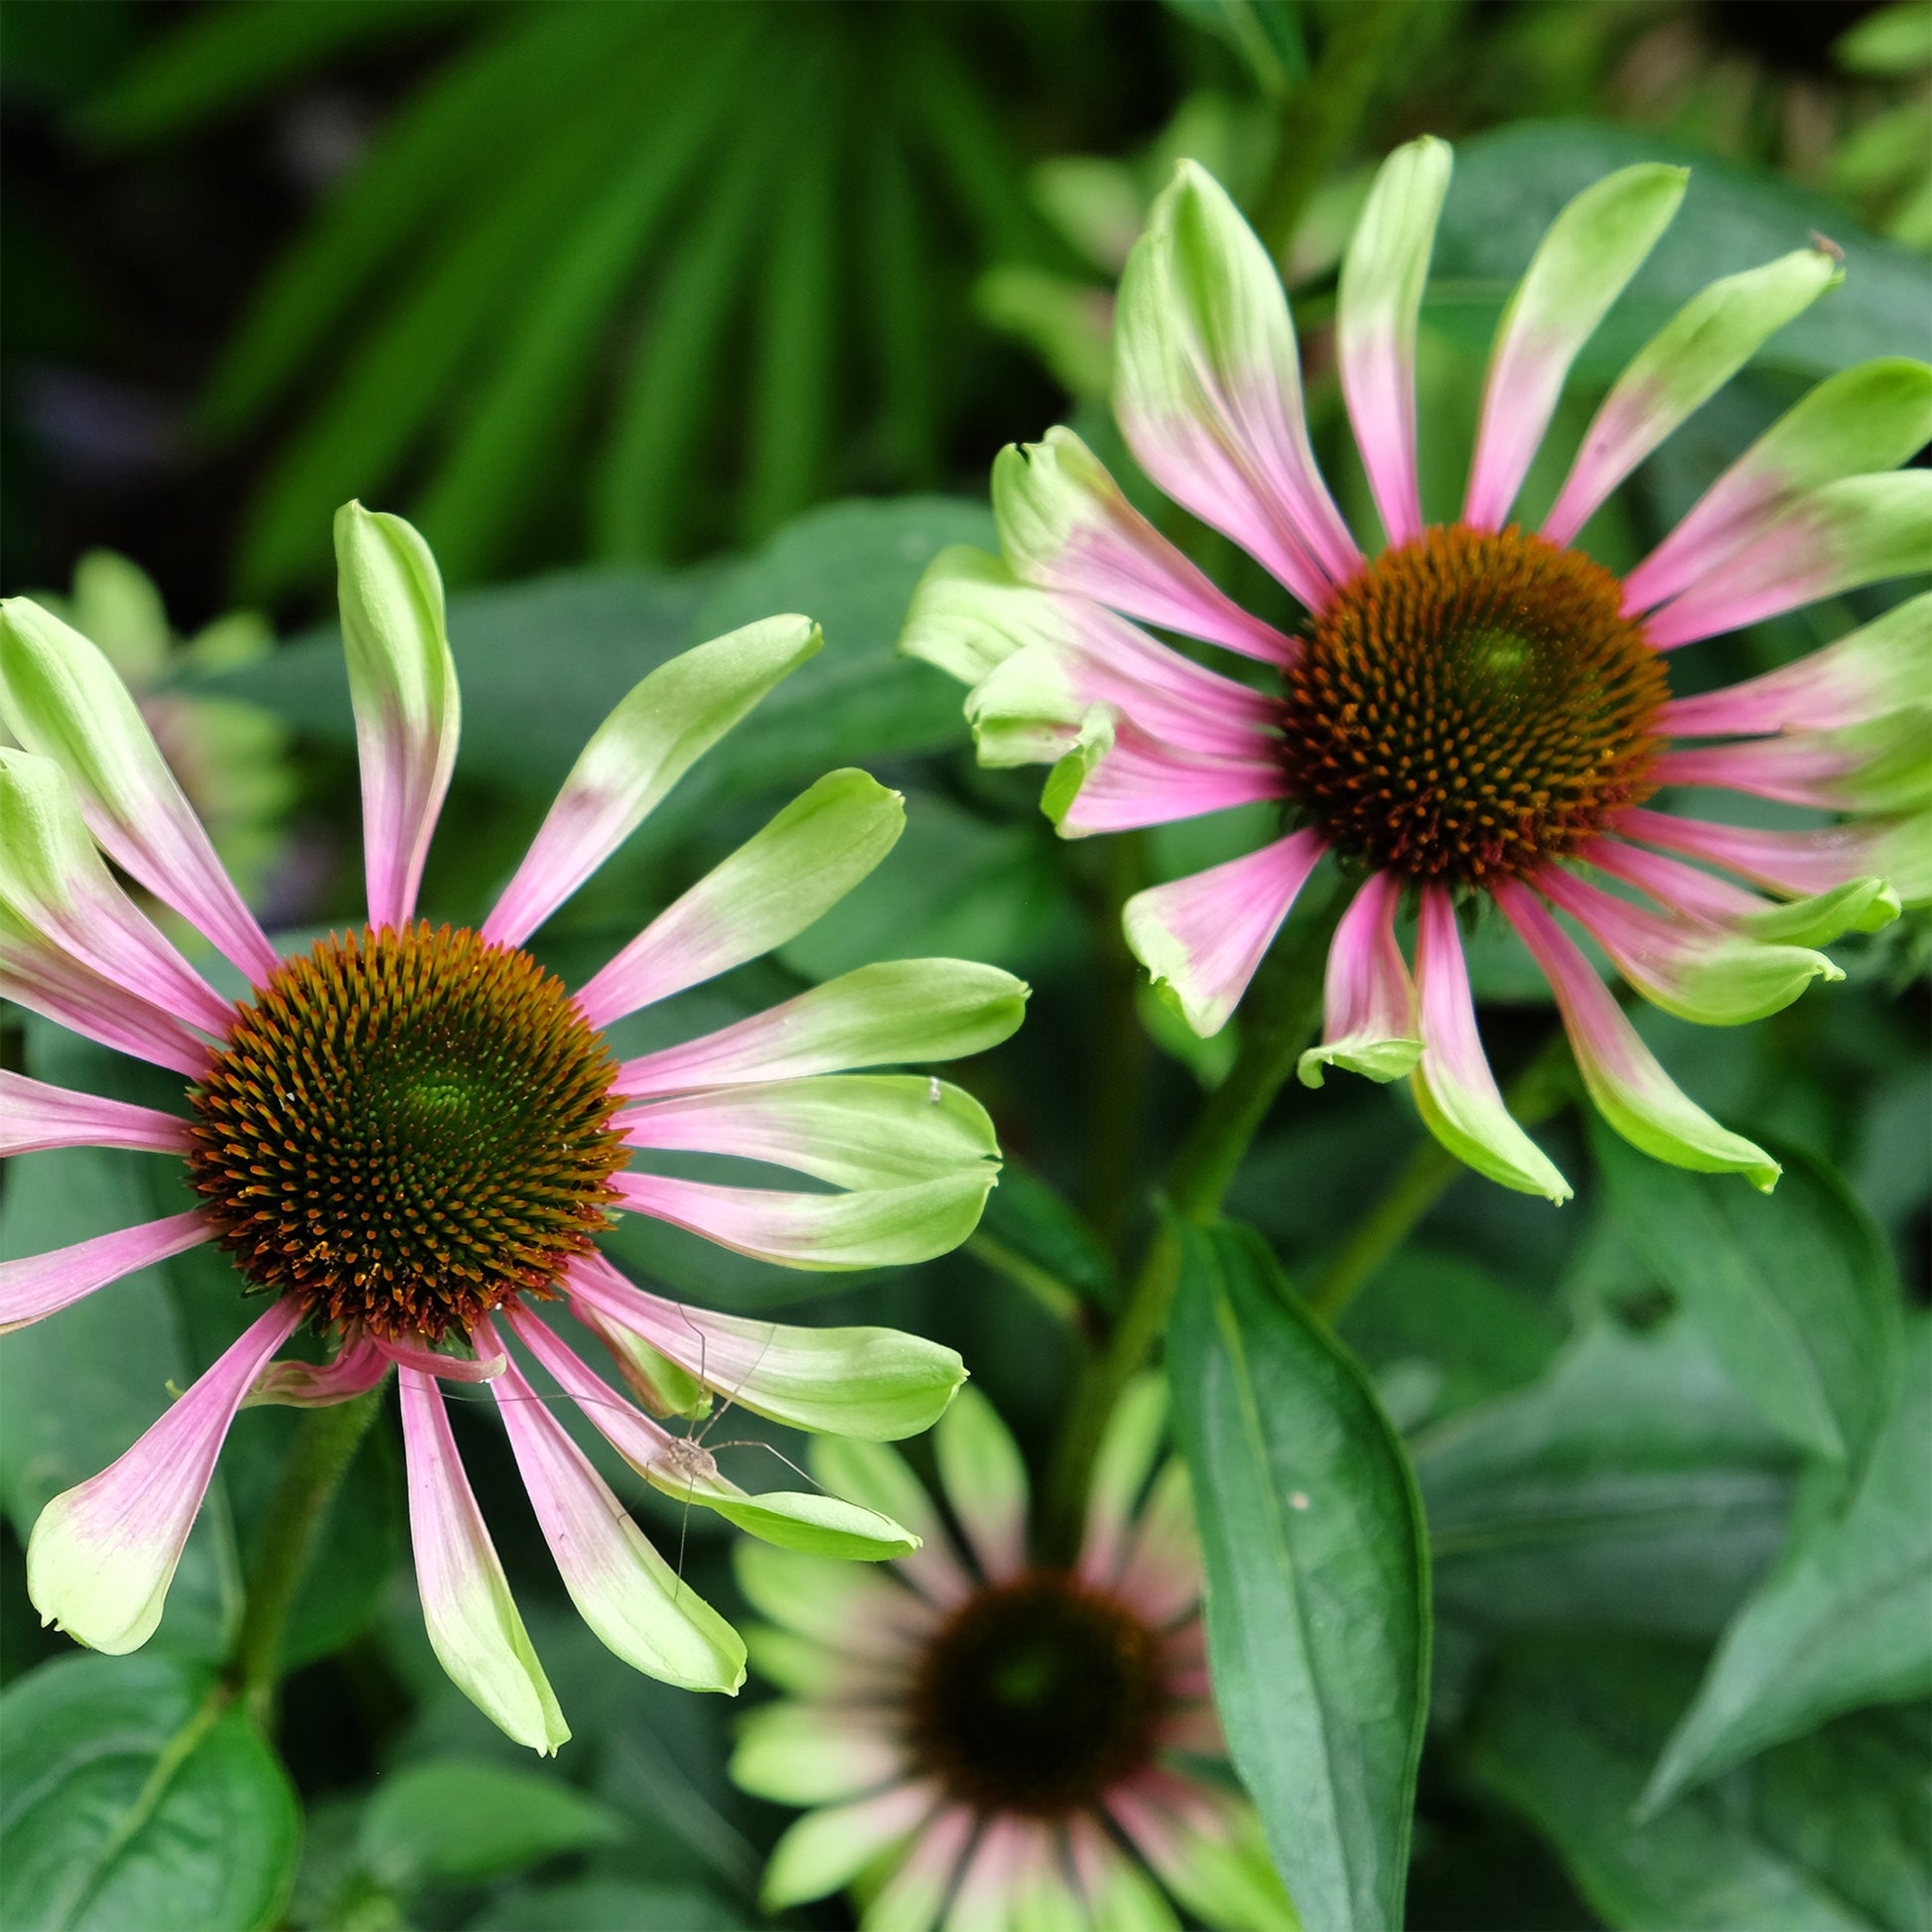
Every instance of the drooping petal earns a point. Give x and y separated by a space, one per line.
1118 1892
48 979
1370 1024
1882 667
985 1480
61 698
52 879
878 1384
877 1227
1858 530
854 1129
828 1849
1884 766
1029 707
1860 906
37 1286
1681 368
1455 1091
35 1116
646 744
1856 423
1209 1851
473 1622
1120 1471
623 1589
767 892
1064 525
1383 276
402 683
1631 1090
358 1368
848 1607
683 1468
1207 387
1202 937
1591 249
1161 1578
102 1554
1699 972
802 1754
988 1895
897 1011
970 612
1800 863
1117 777
428 1360
913 1897
880 1478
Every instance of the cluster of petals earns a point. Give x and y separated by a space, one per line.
907 1159
847 1645
1715 921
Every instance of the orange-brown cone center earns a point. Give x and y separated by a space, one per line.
1472 704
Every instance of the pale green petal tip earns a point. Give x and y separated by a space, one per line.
1380 1061
1166 957
1860 906
1517 1163
1700 1144
1067 777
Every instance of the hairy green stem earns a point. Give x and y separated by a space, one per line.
1277 1018
1536 1093
1320 117
322 1450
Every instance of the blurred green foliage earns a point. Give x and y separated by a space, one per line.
641 289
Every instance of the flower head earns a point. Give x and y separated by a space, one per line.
1478 712
408 1137
1023 1739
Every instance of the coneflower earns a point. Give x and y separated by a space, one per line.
1479 712
408 1137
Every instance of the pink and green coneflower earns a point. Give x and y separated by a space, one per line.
1476 712
408 1138
991 1740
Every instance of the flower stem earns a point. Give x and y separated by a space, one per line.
324 1448
1278 1018
1536 1093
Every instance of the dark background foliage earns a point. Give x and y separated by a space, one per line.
662 318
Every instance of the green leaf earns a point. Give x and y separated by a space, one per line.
523 725
1029 1227
1845 1620
1630 1485
229 56
641 502
851 567
1454 1331
956 886
1510 183
455 1820
404 367
1795 1291
1318 1578
1828 1836
136 1798
795 385
530 396
609 1905
1266 34
481 110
